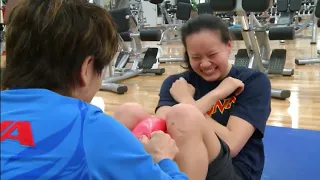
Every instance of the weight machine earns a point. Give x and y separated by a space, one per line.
316 15
257 53
289 16
182 11
141 64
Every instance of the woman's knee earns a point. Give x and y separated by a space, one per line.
185 121
130 114
187 125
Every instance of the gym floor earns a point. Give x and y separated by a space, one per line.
301 110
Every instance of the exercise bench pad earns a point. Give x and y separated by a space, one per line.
150 34
282 5
155 1
317 12
282 33
126 36
183 11
120 18
295 5
223 5
204 8
256 5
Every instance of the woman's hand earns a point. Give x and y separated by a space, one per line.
182 91
228 86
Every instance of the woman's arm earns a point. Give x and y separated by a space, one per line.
166 101
204 103
235 134
183 92
250 112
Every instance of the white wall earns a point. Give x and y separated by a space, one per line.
150 13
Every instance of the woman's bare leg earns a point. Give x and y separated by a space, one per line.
130 114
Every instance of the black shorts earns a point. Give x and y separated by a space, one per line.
222 167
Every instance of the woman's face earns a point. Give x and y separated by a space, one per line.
208 55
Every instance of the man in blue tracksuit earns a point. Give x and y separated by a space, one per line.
49 136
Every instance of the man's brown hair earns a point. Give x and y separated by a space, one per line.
47 42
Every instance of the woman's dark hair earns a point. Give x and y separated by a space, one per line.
47 42
203 22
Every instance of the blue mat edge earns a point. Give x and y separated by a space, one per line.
291 129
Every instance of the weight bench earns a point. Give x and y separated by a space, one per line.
272 63
316 21
288 9
204 8
256 40
142 64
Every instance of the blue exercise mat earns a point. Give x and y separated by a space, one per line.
291 154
